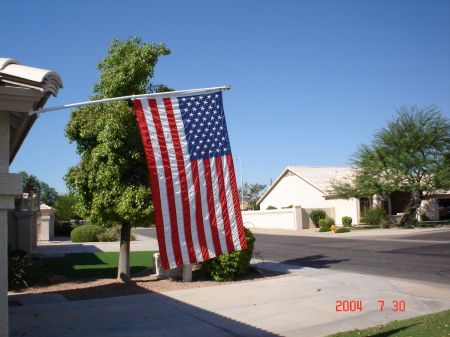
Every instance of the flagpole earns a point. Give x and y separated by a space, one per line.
167 93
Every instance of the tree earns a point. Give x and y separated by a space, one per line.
111 181
48 194
66 208
411 154
252 193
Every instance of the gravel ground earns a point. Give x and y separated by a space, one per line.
142 283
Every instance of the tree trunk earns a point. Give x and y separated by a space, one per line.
412 207
123 272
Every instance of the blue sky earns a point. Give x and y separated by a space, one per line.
310 79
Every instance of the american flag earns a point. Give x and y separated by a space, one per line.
195 196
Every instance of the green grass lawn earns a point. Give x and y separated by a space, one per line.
432 325
87 265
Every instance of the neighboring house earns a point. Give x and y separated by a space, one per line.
307 186
22 89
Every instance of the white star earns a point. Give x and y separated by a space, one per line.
192 98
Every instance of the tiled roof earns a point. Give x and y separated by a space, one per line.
321 176
23 89
15 74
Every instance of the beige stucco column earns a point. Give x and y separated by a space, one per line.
10 187
46 223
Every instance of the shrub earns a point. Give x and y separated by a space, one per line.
342 230
325 229
226 267
86 233
375 217
424 217
324 223
316 215
347 221
17 268
271 207
409 226
330 220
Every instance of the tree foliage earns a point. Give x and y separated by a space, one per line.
66 208
411 154
111 181
252 193
49 196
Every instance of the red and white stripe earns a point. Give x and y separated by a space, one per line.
196 203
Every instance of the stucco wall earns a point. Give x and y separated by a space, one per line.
292 190
270 219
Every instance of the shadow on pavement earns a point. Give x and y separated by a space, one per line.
139 315
314 261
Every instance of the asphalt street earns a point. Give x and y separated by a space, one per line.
421 256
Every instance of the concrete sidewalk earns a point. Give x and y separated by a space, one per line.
303 304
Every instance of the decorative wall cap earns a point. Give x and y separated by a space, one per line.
44 207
